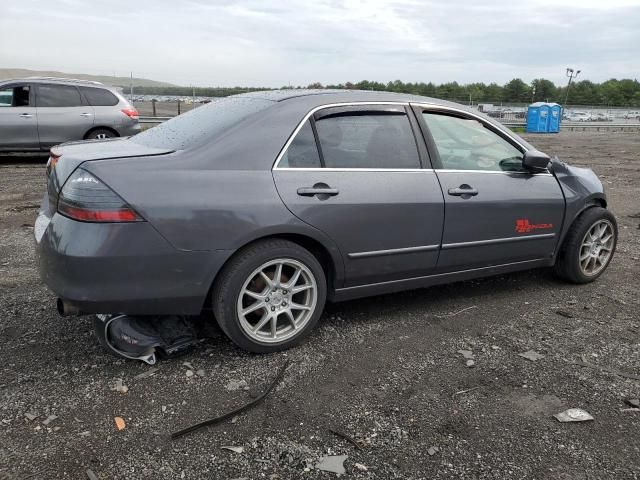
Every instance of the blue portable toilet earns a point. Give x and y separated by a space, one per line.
555 116
538 118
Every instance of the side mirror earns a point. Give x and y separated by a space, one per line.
535 161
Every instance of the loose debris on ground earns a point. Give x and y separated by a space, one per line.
237 411
573 415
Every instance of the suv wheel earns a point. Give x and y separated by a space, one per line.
270 296
588 247
100 134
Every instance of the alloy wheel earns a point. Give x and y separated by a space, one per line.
277 300
596 248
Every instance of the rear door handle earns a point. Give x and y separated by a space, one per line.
311 191
26 115
85 114
463 191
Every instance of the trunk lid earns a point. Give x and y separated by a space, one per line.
65 158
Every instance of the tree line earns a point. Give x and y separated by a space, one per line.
615 93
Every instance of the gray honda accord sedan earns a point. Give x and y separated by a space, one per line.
263 206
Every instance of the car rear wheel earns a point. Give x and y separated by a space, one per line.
588 247
270 296
100 134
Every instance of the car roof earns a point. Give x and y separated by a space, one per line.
56 80
328 96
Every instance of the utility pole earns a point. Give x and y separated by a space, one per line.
131 88
571 74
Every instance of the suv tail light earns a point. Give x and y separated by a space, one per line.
130 112
84 197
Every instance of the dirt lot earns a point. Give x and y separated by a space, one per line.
384 370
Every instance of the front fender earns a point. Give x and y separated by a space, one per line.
582 189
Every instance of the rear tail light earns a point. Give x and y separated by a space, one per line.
130 112
84 197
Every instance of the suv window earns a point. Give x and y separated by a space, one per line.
302 151
58 96
99 97
201 124
466 144
368 140
14 96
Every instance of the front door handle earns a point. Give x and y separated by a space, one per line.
85 114
26 115
464 191
320 189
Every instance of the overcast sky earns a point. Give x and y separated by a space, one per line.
275 43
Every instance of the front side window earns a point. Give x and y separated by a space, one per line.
466 144
14 96
58 96
367 140
99 97
302 151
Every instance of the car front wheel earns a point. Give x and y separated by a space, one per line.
588 247
270 296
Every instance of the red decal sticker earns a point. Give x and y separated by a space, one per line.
523 226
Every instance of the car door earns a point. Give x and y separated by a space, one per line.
18 118
355 173
496 212
62 114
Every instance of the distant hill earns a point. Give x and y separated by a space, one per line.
6 73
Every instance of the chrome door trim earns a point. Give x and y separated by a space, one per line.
320 169
504 172
394 251
494 241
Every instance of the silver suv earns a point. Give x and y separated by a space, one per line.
39 112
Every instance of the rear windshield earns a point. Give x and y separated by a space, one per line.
201 124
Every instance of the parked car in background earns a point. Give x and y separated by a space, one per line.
579 117
39 112
602 117
631 115
263 205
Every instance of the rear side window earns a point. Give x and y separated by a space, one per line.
14 96
367 141
201 124
302 152
58 96
99 97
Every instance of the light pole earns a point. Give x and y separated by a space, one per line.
571 74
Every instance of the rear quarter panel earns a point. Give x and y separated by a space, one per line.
198 209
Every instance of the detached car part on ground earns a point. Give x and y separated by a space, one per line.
262 206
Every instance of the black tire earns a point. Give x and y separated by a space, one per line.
567 264
231 279
100 134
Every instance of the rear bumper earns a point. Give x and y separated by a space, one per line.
124 268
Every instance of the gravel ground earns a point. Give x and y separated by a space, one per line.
385 370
